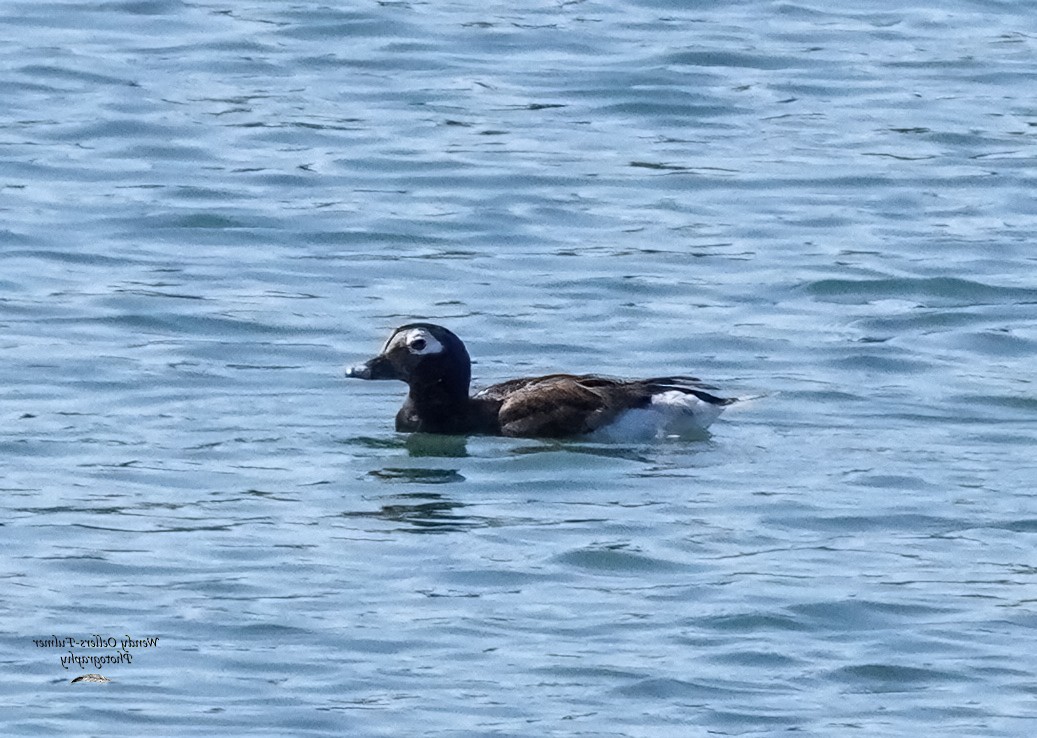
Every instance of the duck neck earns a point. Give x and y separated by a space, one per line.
439 405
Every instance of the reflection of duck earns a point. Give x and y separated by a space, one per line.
424 513
437 369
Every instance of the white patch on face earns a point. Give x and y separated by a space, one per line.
417 341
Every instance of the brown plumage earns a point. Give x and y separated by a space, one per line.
436 367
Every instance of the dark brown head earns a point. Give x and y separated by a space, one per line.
423 355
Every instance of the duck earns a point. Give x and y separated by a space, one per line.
436 366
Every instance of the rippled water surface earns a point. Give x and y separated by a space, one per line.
208 209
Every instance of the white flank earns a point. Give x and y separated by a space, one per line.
671 413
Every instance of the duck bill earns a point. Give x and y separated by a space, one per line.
377 368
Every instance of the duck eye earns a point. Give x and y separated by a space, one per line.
418 344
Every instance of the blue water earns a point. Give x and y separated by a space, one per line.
207 210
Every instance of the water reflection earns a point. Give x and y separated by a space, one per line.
415 474
423 513
428 444
418 444
609 451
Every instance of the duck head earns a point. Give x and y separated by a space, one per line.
421 354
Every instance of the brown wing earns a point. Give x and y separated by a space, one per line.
555 406
501 390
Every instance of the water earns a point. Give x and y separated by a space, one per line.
208 210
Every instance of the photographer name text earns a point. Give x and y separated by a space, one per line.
121 646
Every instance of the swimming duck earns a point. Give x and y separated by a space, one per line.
437 369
